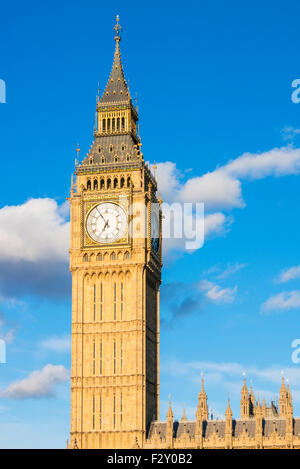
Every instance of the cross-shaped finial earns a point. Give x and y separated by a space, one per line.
117 27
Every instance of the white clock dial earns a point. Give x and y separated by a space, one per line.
106 223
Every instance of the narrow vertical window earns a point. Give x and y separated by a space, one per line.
121 361
94 302
93 412
114 411
115 301
100 358
121 410
101 301
100 412
122 297
94 357
115 357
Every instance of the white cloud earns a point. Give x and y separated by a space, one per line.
34 231
289 132
231 269
221 188
39 383
289 274
217 294
282 301
57 344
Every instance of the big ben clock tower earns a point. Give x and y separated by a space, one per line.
115 261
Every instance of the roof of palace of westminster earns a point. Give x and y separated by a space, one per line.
260 425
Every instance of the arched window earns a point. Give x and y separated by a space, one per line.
115 183
99 256
123 123
89 185
123 147
110 148
108 183
103 160
113 124
116 159
102 184
95 184
113 256
122 182
128 181
118 123
127 255
86 258
104 125
108 125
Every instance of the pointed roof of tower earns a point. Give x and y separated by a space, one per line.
258 408
228 411
202 393
170 412
116 90
244 388
184 418
282 387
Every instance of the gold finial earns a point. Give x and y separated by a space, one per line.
117 28
77 158
154 169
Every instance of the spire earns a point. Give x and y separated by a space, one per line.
184 418
116 90
202 409
170 412
228 412
282 387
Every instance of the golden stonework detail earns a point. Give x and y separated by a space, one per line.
115 307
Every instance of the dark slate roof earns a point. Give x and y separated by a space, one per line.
218 426
116 90
101 149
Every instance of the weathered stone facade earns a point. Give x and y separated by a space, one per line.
115 306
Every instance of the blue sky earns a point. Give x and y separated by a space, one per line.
213 81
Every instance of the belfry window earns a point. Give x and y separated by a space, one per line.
108 125
95 184
128 182
115 183
123 123
104 125
89 185
113 124
102 183
118 123
108 183
122 182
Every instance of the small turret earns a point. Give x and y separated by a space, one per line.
245 401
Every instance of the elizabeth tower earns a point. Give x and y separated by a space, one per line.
115 261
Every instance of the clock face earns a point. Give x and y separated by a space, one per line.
106 223
154 231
